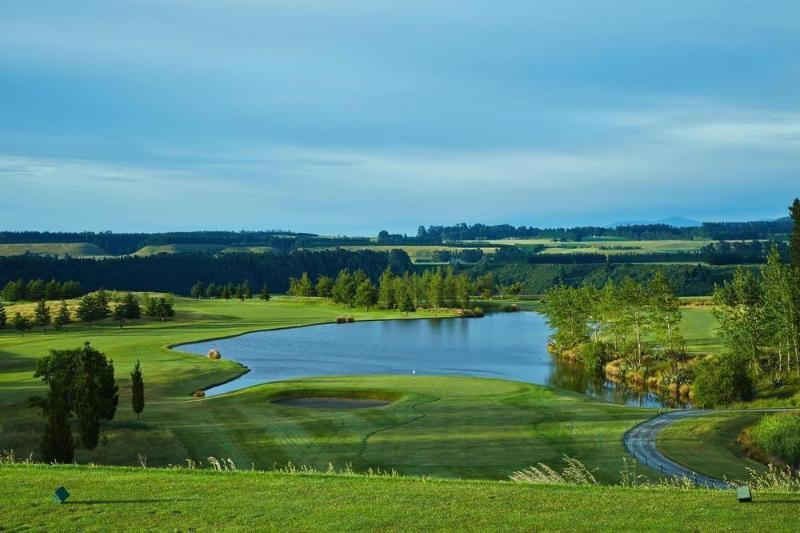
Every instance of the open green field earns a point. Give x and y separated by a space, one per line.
417 253
698 327
609 247
74 249
464 427
181 500
708 444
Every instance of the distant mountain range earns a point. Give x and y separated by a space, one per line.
678 222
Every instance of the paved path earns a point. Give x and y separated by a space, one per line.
640 441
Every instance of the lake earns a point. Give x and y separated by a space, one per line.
501 345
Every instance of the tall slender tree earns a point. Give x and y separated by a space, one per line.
794 242
137 389
3 316
666 310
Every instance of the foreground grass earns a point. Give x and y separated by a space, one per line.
708 444
127 498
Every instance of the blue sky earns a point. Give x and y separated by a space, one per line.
353 116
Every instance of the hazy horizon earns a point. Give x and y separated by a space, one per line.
350 117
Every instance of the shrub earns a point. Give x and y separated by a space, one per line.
350 319
722 380
341 320
213 353
594 354
199 394
779 435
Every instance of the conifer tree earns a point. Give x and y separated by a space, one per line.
62 318
41 315
137 389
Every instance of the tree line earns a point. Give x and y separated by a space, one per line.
432 289
177 273
37 289
92 308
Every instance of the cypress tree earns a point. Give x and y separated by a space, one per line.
137 389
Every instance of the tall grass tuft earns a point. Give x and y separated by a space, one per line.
574 473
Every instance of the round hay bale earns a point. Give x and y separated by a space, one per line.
199 394
213 353
350 319
340 320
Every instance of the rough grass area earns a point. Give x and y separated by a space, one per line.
708 444
181 500
60 249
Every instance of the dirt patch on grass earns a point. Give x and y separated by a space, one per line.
323 402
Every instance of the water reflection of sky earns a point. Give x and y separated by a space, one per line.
503 345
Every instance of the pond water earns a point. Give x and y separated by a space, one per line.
502 345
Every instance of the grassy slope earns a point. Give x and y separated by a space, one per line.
708 444
455 426
75 249
114 498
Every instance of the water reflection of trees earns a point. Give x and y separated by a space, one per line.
576 377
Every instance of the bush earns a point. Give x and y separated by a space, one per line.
779 436
594 354
199 394
722 380
214 354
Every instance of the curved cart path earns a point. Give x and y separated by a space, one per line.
640 441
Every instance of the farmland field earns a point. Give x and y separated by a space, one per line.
73 249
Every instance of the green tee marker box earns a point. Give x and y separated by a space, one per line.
743 494
60 495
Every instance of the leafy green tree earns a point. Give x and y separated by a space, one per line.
344 288
365 294
436 291
304 286
463 290
13 291
137 389
567 311
324 286
739 308
666 310
162 308
35 290
41 315
264 293
3 317
722 380
21 323
485 285
636 315
198 290
386 290
406 303
63 317
781 293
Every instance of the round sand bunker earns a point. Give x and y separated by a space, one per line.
332 403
